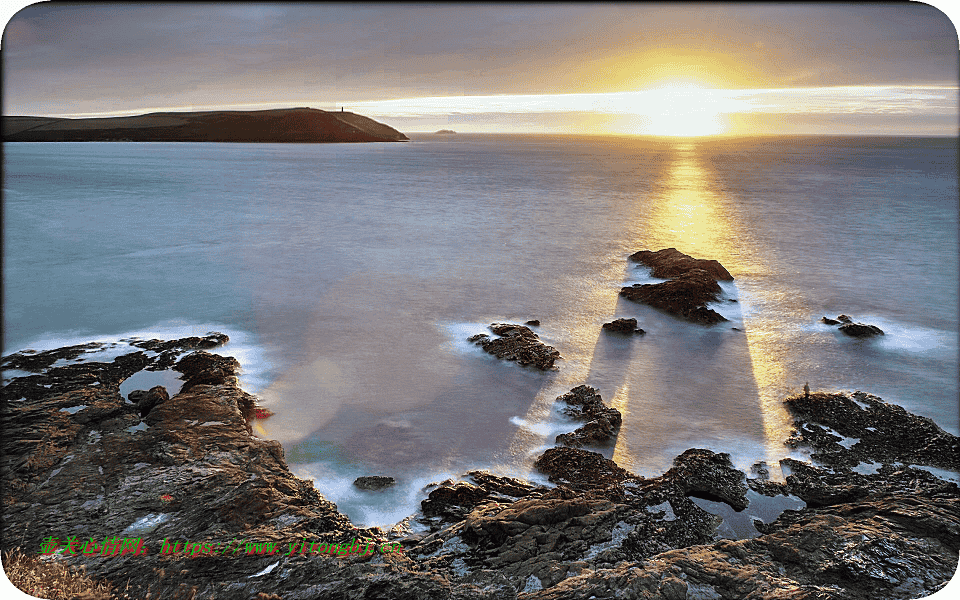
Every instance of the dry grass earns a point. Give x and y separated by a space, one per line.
52 580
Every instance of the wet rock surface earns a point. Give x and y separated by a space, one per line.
692 284
79 461
847 326
518 343
628 326
583 403
670 263
374 482
860 330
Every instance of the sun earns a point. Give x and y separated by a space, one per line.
680 111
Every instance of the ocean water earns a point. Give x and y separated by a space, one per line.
349 277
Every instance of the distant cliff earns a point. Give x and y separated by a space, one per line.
281 125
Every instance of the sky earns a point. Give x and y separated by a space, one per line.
631 68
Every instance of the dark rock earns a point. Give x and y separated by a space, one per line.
709 475
670 263
623 326
451 500
602 422
886 433
685 296
146 401
860 330
693 283
519 343
203 368
579 468
213 339
829 321
33 361
844 319
533 322
193 472
374 482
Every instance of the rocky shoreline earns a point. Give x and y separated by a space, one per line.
79 460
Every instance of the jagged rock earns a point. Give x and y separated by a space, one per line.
77 461
146 401
190 471
623 326
519 343
852 329
670 263
579 468
692 284
38 361
203 368
374 482
602 422
211 340
860 330
709 475
686 296
884 433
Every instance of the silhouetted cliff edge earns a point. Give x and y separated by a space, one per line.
281 125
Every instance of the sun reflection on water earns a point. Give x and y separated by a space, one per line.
693 213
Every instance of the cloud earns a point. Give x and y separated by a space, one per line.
847 99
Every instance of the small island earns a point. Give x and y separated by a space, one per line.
304 125
445 132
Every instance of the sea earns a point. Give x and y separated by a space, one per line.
349 277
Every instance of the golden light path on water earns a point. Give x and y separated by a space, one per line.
701 220
690 211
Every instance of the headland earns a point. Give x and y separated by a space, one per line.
303 125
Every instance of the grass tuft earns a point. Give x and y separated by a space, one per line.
53 580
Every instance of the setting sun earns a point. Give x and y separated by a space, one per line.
680 111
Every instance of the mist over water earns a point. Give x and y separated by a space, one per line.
349 276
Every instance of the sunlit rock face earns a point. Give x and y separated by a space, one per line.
692 284
670 263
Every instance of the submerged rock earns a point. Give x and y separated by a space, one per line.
374 482
692 284
852 329
518 343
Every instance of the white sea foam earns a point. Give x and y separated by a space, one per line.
638 274
941 473
458 332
